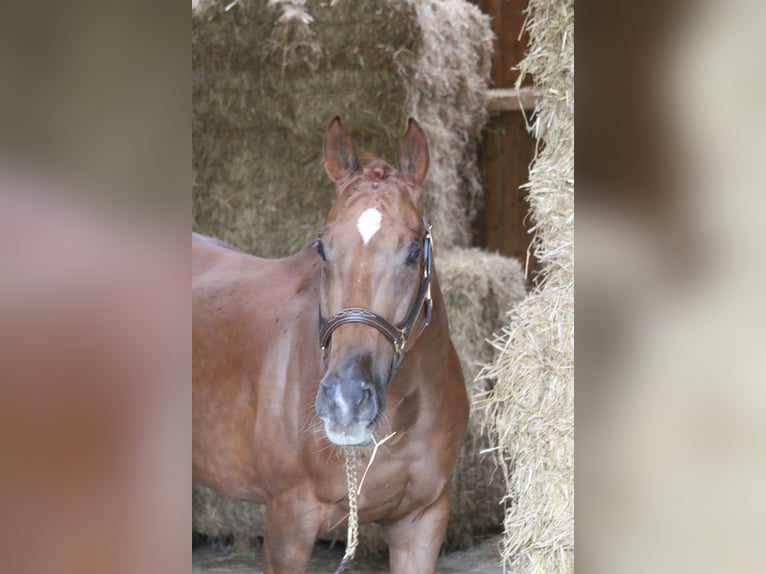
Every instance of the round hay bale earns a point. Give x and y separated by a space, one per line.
268 77
530 411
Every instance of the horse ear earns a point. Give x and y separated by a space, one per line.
413 153
340 159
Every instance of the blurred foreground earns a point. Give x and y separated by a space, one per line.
94 387
671 314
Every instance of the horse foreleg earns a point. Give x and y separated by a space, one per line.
291 531
415 540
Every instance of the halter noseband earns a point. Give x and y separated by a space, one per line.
397 335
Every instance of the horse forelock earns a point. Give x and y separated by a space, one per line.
379 170
379 184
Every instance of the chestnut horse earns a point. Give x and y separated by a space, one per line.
342 341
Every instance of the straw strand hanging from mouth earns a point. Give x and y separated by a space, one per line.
372 457
354 491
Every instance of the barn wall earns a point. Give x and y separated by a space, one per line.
507 147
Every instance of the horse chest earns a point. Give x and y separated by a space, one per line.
402 475
384 489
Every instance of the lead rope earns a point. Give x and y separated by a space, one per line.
352 535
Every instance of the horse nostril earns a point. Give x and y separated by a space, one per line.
366 398
367 404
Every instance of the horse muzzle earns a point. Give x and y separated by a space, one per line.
349 404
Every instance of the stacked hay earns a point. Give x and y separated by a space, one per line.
219 517
530 411
268 77
478 290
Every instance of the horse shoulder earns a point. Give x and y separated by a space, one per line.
436 439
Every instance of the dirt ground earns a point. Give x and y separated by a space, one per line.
213 558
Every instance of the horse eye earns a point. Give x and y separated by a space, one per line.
320 250
414 254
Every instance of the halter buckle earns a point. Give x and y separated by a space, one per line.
401 342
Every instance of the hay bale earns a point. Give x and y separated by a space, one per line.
530 410
267 78
478 288
219 517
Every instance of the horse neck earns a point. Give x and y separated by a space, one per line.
435 339
439 321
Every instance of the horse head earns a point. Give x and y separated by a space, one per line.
375 281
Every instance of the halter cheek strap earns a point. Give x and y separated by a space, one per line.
398 336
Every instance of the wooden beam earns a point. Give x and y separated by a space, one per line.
506 99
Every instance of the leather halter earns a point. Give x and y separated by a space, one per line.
398 336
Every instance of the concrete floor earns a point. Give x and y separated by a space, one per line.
482 558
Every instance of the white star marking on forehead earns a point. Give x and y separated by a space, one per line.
368 224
